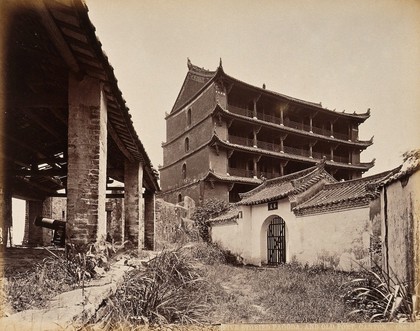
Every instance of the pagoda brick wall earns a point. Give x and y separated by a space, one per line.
197 136
200 108
197 166
218 163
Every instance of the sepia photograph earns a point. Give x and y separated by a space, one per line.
209 165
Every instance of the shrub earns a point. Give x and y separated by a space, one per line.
210 208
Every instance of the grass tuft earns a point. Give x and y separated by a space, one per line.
380 297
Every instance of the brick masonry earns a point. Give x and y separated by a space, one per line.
86 161
133 207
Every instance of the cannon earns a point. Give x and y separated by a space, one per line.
58 226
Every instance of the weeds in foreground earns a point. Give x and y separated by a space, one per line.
57 274
380 297
170 289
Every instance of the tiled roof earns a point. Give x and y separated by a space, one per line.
195 80
90 58
410 166
232 179
255 150
211 75
278 188
340 195
230 216
220 110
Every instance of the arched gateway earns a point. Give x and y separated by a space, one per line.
276 241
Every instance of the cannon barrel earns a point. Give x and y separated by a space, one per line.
50 223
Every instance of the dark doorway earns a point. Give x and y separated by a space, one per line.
276 241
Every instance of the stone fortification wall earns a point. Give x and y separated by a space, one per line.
173 224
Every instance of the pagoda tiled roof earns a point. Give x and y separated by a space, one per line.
281 187
232 179
341 195
256 150
210 76
218 109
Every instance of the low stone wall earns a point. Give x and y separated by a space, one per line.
173 224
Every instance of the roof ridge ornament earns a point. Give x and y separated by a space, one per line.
189 64
220 63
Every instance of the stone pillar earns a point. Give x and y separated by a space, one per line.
332 129
87 156
254 138
133 203
149 220
35 233
331 154
281 117
310 124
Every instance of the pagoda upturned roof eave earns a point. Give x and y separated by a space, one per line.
232 179
258 151
360 117
225 112
220 72
192 69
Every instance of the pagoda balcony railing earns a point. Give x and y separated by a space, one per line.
268 146
296 151
268 175
286 149
287 122
341 159
269 118
240 141
240 172
250 173
318 155
240 111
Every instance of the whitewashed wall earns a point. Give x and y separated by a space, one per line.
337 239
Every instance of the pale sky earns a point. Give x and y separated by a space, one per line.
349 55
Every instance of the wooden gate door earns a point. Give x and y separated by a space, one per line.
276 241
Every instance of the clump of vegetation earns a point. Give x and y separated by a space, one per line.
56 274
210 208
168 289
35 287
379 297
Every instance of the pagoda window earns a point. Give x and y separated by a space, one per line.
179 198
187 144
189 117
184 171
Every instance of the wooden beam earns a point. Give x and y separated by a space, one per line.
42 173
44 124
41 100
119 143
56 36
60 114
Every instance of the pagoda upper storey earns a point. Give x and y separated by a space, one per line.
258 104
